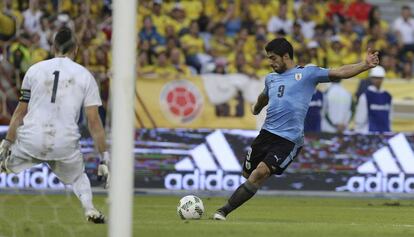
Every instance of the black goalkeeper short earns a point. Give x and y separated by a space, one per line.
276 152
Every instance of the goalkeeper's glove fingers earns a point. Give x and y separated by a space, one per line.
5 148
103 172
103 168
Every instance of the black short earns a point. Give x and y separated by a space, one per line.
276 152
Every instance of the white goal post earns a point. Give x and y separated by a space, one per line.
124 38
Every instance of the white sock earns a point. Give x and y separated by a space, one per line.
82 189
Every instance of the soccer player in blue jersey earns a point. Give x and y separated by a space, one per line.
288 91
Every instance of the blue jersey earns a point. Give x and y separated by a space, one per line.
379 107
289 95
313 118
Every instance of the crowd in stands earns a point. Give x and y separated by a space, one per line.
230 35
27 29
178 39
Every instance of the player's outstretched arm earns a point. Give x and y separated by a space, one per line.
16 121
262 101
351 70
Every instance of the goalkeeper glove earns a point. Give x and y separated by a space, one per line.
103 168
5 149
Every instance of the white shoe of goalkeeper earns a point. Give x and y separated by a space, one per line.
95 216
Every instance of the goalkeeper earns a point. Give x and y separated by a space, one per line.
44 129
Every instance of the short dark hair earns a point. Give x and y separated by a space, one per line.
65 40
279 46
405 7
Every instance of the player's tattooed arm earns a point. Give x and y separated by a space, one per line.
351 70
16 121
262 101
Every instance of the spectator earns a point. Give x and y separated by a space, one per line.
163 68
32 17
37 53
336 53
159 19
359 11
149 32
20 56
240 65
404 28
259 66
215 11
307 25
145 48
144 69
336 10
389 63
193 45
336 108
12 12
261 11
375 34
220 44
313 117
280 22
171 44
45 33
347 34
374 16
7 26
231 20
175 58
260 45
179 20
248 21
373 112
297 39
407 70
354 53
321 34
316 54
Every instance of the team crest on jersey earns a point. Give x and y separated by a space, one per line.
181 101
298 76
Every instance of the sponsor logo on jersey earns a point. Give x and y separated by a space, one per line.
210 166
385 107
181 101
390 170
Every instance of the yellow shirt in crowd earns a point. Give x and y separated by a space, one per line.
193 45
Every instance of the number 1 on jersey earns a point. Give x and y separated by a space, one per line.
55 86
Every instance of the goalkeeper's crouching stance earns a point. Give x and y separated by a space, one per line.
44 126
69 171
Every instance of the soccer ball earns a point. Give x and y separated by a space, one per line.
190 207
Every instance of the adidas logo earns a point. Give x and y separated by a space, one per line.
201 171
392 166
37 177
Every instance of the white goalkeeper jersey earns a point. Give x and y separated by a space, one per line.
55 91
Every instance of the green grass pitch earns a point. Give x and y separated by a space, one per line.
61 216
